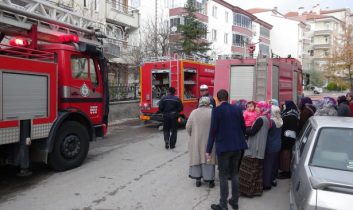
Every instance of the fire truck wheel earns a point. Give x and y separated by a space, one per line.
70 147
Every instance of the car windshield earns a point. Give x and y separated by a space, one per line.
334 149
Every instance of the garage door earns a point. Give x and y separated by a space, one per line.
241 82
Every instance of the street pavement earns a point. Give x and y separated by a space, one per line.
130 169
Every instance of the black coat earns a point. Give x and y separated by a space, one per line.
290 129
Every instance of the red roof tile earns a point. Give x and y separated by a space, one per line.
258 10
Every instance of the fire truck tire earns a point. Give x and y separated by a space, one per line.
71 146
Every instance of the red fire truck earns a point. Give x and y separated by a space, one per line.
260 79
53 88
185 76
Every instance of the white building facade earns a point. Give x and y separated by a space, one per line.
286 35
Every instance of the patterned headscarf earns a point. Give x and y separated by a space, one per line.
326 107
265 109
204 101
276 116
290 109
305 101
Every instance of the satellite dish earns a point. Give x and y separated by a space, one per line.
174 29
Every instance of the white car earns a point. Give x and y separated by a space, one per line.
322 165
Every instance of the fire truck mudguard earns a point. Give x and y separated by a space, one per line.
68 141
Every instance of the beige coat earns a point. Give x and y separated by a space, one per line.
198 128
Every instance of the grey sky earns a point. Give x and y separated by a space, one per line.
292 5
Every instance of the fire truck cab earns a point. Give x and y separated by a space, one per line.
260 79
53 91
185 76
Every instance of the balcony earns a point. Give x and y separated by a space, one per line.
323 32
321 46
122 14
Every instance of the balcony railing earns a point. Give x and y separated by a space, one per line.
323 32
122 8
321 45
122 14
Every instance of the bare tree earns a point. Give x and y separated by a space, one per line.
341 59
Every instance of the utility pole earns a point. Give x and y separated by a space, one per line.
155 28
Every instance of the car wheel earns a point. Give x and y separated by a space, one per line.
71 146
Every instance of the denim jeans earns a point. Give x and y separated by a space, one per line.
228 166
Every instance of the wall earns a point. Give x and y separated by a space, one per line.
285 32
219 47
123 110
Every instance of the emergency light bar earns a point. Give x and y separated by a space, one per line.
18 42
69 38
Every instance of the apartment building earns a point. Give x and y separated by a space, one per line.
287 35
231 30
326 26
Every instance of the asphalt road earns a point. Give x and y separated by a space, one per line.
130 169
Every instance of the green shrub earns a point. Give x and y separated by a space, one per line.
331 86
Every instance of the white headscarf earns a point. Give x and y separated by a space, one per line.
276 116
204 101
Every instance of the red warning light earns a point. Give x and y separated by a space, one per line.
18 42
69 38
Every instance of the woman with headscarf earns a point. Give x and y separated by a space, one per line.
307 109
343 107
251 169
198 126
326 107
290 117
273 146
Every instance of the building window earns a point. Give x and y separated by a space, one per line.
214 35
214 11
242 21
174 22
264 32
264 49
240 40
84 3
137 3
225 38
96 5
226 16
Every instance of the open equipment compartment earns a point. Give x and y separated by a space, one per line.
160 85
190 84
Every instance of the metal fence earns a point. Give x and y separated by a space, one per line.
124 92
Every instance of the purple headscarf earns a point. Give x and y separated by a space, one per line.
305 101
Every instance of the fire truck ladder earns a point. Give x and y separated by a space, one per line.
260 84
18 16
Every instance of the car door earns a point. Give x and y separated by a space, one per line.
86 90
299 182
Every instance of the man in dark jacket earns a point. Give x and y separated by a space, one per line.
204 93
227 132
170 106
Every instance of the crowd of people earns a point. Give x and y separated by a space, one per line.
253 140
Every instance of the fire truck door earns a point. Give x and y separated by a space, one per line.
86 90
